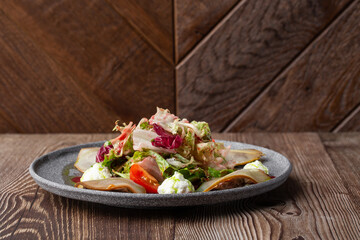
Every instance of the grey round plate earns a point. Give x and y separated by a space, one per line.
50 172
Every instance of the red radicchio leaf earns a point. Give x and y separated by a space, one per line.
103 150
166 139
161 131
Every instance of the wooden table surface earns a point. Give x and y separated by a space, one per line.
320 200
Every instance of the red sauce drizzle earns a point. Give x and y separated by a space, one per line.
76 179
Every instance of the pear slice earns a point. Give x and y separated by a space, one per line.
112 184
235 179
241 157
86 158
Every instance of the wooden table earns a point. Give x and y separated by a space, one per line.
320 200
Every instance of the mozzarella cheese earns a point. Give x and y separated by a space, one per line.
257 165
95 172
176 184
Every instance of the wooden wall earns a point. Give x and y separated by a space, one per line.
77 66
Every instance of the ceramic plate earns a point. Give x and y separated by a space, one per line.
54 171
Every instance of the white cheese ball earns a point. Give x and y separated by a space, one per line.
257 165
176 184
95 172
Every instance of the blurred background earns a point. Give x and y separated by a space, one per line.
241 65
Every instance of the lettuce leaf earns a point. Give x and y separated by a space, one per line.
188 144
195 176
179 161
208 154
105 149
144 124
204 129
165 119
213 173
109 158
165 139
125 172
162 163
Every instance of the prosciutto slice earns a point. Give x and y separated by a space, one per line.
149 164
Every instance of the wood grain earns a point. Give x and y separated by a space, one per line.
152 19
55 217
100 51
318 90
194 19
314 197
17 188
38 96
243 55
52 217
344 150
6 125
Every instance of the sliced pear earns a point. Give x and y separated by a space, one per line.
112 184
241 157
86 158
238 178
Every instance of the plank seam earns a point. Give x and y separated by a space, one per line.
346 119
18 222
175 42
288 66
212 31
142 35
174 56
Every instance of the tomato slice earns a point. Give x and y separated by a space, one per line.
143 178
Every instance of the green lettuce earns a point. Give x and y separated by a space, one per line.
213 173
178 161
204 129
162 163
144 124
188 144
125 172
195 175
109 158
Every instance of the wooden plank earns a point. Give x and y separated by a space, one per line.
17 188
38 96
6 125
152 19
103 54
242 56
344 150
194 19
318 90
49 216
313 198
54 217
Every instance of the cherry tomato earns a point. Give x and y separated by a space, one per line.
143 178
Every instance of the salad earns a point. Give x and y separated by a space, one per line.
167 155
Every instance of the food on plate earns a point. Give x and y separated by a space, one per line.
176 184
167 155
112 184
88 158
95 172
238 178
257 165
